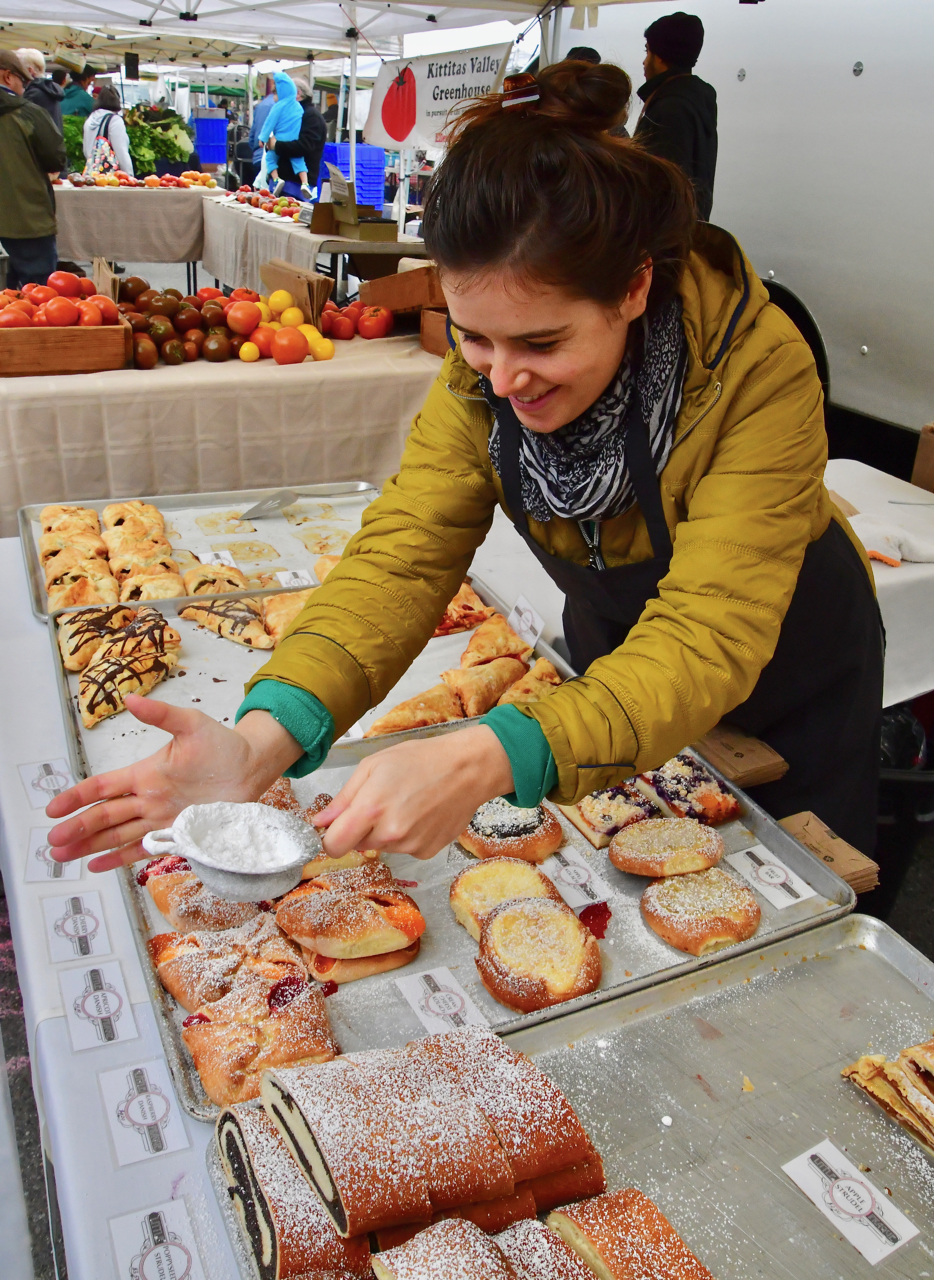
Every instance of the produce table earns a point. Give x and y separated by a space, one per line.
208 426
130 224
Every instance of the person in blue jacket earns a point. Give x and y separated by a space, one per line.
260 112
284 122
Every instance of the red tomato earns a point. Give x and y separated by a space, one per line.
331 306
106 306
289 346
26 290
191 351
193 301
375 322
41 293
66 283
262 335
343 327
353 308
27 308
208 292
243 317
62 311
244 295
40 320
87 287
398 110
325 326
90 314
11 319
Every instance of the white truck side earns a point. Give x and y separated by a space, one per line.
825 172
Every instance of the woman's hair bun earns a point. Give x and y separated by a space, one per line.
584 96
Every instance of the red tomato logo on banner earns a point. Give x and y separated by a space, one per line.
398 110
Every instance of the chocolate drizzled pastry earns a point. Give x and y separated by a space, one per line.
147 632
237 620
81 635
104 685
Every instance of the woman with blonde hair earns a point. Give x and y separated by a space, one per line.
41 90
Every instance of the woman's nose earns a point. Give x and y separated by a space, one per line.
508 378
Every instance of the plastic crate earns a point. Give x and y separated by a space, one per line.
371 168
211 140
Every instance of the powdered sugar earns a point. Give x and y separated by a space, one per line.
241 837
502 820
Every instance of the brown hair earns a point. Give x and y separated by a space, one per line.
109 99
542 190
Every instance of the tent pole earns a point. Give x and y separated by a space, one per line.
556 34
207 96
403 188
352 113
545 25
249 92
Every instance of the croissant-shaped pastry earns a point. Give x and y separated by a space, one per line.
211 578
346 926
118 513
77 518
83 541
237 620
106 682
80 635
152 584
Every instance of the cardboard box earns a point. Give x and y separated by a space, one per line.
743 760
106 282
28 353
371 229
922 473
310 290
860 872
405 292
434 332
324 218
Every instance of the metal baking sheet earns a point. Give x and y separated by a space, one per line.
319 522
243 1254
788 1018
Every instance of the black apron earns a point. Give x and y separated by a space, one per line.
818 702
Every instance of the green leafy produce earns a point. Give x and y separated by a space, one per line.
74 142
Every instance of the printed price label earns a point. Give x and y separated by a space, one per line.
144 1117
858 1210
439 1001
525 621
769 876
97 1006
41 866
295 578
44 780
156 1244
75 927
575 879
218 557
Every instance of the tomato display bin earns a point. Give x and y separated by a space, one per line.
27 352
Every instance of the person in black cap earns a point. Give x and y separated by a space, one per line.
679 118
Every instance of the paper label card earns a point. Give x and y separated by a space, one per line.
75 927
858 1210
295 578
218 557
156 1244
45 779
97 1006
41 867
575 879
769 876
526 621
439 1001
144 1117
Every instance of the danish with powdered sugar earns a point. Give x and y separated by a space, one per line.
683 788
535 953
602 814
701 912
502 830
666 847
483 886
185 902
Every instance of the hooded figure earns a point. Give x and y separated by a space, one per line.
285 119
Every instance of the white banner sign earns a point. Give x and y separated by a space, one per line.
412 98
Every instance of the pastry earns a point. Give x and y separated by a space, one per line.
104 684
665 847
214 578
180 896
479 688
327 969
538 1253
501 830
324 565
701 912
349 925
600 815
237 620
436 706
624 1235
155 553
83 543
152 584
76 563
572 1183
82 591
535 953
495 638
371 874
56 517
288 1231
118 513
231 1056
126 537
447 1250
536 684
683 788
483 886
903 1088
146 632
464 612
496 1215
80 635
280 611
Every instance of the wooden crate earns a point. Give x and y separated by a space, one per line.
405 291
26 353
434 332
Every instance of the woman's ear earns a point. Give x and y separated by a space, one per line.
636 300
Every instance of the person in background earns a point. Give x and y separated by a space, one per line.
679 117
77 100
31 149
330 116
584 53
284 124
307 149
43 92
260 112
105 121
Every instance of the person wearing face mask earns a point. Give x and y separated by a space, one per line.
653 426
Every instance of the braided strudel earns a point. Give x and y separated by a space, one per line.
83 544
77 518
80 635
152 584
118 513
151 554
209 578
237 620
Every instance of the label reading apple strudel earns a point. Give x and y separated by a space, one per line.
439 1001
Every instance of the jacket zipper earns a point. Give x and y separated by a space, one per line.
700 417
591 532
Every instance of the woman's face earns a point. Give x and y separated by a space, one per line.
552 354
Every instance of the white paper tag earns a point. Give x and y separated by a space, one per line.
769 876
75 927
574 878
156 1244
858 1210
41 866
145 1119
97 1006
525 621
218 557
440 1001
45 779
295 578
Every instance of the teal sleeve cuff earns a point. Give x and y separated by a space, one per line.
534 772
307 720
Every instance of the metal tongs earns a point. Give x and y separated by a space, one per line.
271 506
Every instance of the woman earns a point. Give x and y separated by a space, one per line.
105 121
42 89
654 428
302 154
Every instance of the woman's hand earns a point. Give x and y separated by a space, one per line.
417 797
204 762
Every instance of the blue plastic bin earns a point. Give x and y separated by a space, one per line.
211 140
371 169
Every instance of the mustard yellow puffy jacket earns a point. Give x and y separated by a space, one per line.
743 496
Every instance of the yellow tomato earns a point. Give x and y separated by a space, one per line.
264 311
309 331
264 298
320 347
292 317
274 324
249 352
280 301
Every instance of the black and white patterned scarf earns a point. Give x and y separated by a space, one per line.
580 471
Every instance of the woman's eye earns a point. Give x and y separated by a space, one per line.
542 346
470 337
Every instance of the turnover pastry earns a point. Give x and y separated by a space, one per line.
343 925
76 563
538 1253
152 584
237 620
480 888
535 953
436 706
288 1231
495 638
210 579
185 902
665 847
701 912
445 1251
143 555
683 788
464 612
479 688
622 1235
146 632
82 544
502 830
76 518
83 591
118 513
133 533
80 635
280 611
103 686
602 814
536 684
324 565
903 1088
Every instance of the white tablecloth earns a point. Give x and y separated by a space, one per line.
130 224
200 427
